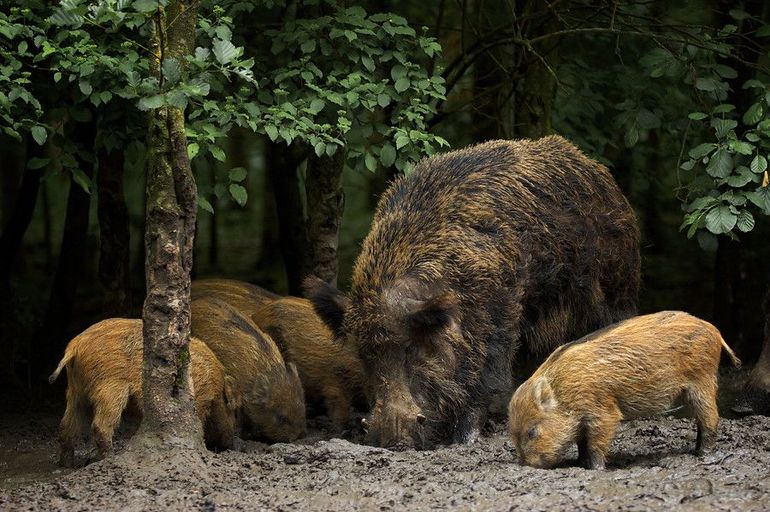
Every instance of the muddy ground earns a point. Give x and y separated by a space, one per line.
651 468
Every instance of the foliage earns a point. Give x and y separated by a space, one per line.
346 80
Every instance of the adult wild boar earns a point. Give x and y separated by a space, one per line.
479 254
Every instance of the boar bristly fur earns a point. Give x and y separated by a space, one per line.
330 372
476 254
632 369
104 377
243 296
273 401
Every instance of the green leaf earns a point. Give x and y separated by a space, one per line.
224 51
745 221
740 147
319 148
720 165
81 179
150 102
37 163
368 63
631 136
402 84
145 6
237 174
271 132
171 69
753 115
697 116
65 17
39 134
316 105
721 220
758 164
401 141
239 193
383 100
308 46
192 150
701 150
370 162
217 153
387 155
204 204
706 84
723 108
723 126
739 180
85 87
725 71
761 198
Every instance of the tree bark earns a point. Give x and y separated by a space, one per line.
325 203
169 418
283 163
114 238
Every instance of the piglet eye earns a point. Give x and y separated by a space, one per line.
532 433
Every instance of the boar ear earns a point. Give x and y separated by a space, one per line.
232 397
327 301
544 394
291 368
421 308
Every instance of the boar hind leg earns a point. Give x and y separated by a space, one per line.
109 404
597 437
73 425
702 398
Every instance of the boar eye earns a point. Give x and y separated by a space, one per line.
532 433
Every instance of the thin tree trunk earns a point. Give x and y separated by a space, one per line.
283 175
169 410
20 216
114 242
325 203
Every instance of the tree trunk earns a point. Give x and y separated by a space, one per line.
282 166
114 243
20 216
169 418
325 202
72 254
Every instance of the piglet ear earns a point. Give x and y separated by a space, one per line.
421 307
544 394
232 398
328 303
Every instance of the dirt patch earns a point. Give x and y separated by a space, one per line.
651 467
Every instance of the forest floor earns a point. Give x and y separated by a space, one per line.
651 468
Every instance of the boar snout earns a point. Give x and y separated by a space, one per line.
395 426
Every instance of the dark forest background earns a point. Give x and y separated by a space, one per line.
655 90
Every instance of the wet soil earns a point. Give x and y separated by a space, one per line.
651 468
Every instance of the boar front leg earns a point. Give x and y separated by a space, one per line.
598 434
468 426
338 406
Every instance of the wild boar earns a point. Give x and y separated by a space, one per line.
331 373
273 401
478 260
631 369
104 377
243 296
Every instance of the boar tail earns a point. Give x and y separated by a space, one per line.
733 357
62 364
